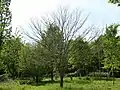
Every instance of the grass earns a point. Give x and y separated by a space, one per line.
75 84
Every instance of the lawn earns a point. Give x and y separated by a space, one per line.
75 84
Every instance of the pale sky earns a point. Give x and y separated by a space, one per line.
102 12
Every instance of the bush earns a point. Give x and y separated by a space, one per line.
99 74
87 78
72 74
103 78
4 77
24 82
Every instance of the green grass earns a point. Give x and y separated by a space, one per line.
76 84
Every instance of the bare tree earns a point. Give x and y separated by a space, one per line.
69 24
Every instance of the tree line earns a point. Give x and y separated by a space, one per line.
58 48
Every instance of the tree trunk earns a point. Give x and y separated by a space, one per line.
52 76
113 76
71 78
13 77
33 78
37 79
61 79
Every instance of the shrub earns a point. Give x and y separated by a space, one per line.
24 82
87 78
103 78
72 74
99 74
4 77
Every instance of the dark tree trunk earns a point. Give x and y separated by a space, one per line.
13 77
52 76
61 79
33 78
37 79
113 76
71 78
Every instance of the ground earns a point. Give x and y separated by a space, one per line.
75 84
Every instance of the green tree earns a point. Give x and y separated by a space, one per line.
34 61
111 48
51 43
5 25
5 20
115 2
11 56
80 54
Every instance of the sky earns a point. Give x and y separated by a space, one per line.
101 12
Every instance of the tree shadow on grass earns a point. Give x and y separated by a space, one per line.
78 81
42 83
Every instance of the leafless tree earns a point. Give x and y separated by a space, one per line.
70 24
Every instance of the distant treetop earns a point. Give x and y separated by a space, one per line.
115 2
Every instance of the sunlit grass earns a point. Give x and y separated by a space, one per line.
75 84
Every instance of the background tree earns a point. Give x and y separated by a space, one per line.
11 56
115 2
97 52
34 62
111 48
80 55
5 20
51 43
5 26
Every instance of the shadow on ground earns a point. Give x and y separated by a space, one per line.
22 82
53 82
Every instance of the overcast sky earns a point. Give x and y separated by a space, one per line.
102 12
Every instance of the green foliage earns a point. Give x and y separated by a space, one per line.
48 51
114 1
5 21
111 48
51 44
56 52
11 56
34 63
5 27
80 55
4 77
79 49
